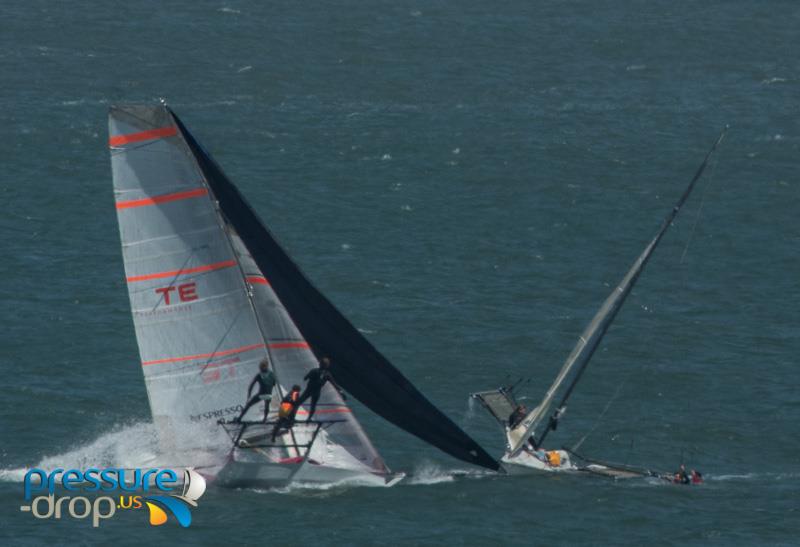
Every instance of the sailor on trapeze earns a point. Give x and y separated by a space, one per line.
316 379
266 383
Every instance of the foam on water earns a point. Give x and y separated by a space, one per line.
427 473
126 446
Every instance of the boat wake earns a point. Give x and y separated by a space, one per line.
126 446
428 473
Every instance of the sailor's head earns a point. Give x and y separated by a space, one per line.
295 388
325 362
521 408
263 365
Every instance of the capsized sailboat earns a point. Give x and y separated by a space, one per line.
525 433
212 294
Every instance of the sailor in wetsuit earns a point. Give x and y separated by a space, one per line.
316 379
289 405
681 476
266 382
517 416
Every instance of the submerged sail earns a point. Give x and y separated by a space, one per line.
590 338
203 311
213 293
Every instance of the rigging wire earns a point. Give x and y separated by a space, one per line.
599 418
613 398
714 162
713 170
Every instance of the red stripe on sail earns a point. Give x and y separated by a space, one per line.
203 355
288 345
175 273
143 136
257 280
162 199
340 410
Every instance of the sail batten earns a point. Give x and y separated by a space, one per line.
589 340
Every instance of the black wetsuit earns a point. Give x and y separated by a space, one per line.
682 477
266 383
316 379
516 417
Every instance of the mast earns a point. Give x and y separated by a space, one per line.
593 334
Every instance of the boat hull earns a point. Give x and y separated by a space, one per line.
526 463
239 474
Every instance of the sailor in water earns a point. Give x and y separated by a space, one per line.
681 476
266 383
289 405
316 379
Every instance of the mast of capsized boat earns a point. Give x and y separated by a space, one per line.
590 338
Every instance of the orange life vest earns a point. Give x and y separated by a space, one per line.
287 408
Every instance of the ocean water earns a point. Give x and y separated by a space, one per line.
465 181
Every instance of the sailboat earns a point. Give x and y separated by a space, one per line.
525 436
212 294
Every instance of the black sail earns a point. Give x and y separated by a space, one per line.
356 365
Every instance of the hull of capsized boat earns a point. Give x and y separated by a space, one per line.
526 463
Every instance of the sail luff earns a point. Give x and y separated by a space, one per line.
590 338
357 366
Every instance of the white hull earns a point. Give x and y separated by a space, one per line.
256 462
238 474
525 463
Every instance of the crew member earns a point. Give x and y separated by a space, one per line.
266 383
696 476
515 419
681 476
289 405
517 416
316 379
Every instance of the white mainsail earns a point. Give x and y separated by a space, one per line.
204 313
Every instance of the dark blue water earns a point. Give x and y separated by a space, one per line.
466 182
